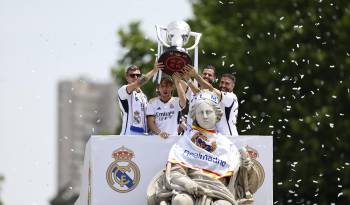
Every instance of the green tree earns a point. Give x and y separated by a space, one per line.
2 179
291 61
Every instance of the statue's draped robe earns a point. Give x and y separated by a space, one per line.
203 159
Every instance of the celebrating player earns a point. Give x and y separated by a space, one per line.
133 101
163 111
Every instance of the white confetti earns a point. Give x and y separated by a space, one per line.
281 18
340 194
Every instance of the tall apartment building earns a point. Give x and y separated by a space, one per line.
84 108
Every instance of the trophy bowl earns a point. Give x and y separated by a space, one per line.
174 60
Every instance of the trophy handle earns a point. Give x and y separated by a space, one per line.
158 28
197 37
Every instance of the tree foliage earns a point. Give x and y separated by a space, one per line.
2 179
291 60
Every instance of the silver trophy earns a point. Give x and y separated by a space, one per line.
171 52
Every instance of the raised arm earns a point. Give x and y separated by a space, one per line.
189 83
204 84
145 78
180 90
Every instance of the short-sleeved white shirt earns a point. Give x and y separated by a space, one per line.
229 105
166 114
124 99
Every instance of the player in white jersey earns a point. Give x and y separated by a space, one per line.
163 111
133 101
228 102
208 75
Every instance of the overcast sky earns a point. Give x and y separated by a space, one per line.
42 42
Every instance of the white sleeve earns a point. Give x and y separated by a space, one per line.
227 98
123 92
150 108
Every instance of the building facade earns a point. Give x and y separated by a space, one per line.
85 108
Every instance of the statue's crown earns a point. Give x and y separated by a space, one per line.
207 95
123 153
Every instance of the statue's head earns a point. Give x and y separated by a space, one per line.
178 33
206 113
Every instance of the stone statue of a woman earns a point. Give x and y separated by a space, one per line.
203 165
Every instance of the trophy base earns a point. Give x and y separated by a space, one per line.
174 61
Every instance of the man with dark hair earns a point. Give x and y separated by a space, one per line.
133 101
163 112
229 104
228 100
208 74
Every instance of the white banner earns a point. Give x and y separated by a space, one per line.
118 169
211 152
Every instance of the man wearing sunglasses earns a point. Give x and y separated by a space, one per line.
133 101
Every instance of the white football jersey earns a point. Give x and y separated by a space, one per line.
229 105
167 115
126 107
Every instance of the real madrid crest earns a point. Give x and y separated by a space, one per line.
202 141
123 175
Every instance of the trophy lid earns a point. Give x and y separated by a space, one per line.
178 33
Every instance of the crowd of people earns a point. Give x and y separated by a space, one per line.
164 114
204 166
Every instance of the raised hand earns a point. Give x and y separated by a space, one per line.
176 77
158 66
189 70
